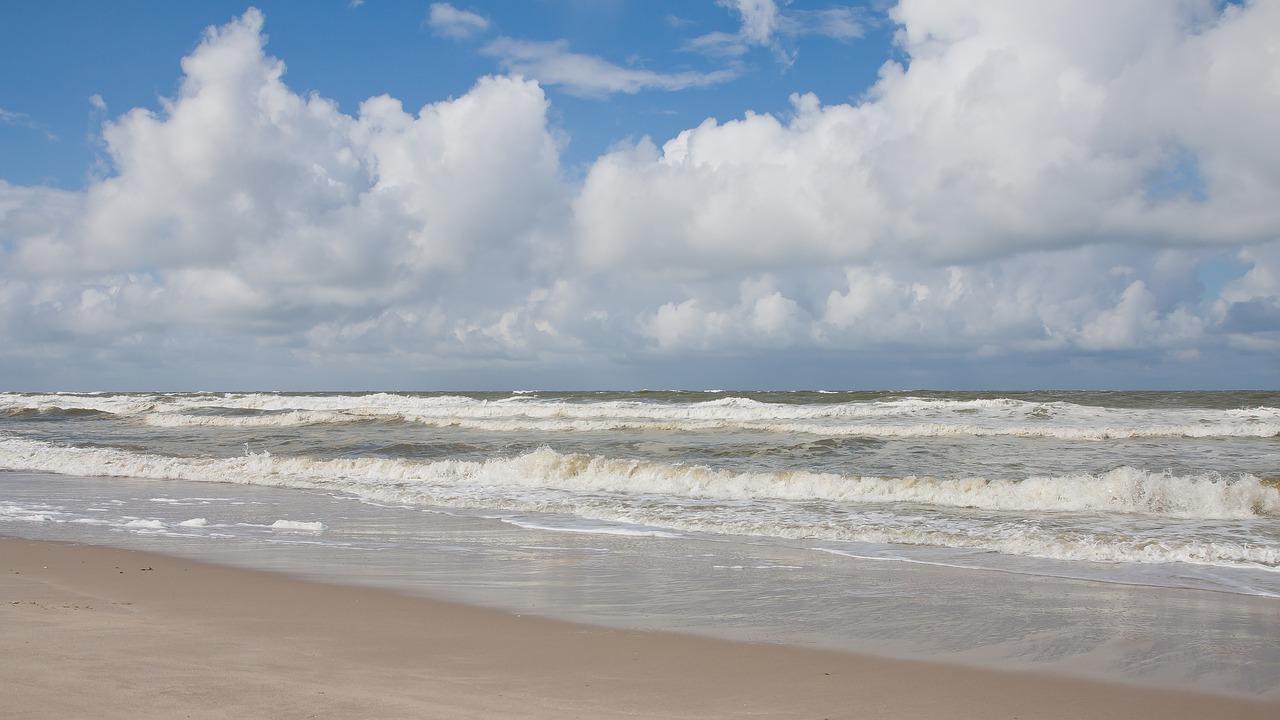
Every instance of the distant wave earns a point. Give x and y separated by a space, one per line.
693 498
52 412
905 417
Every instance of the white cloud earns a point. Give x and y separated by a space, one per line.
449 21
986 202
1010 130
316 216
18 119
838 23
685 325
759 18
765 24
761 317
552 63
1059 304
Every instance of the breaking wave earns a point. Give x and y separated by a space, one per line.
796 504
901 418
1125 489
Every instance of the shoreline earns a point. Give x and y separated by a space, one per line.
781 593
88 630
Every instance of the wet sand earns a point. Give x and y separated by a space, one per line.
98 632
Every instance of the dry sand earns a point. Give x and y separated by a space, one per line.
98 632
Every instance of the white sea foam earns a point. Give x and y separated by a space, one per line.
903 417
115 404
14 511
297 525
879 430
1125 489
794 504
594 529
145 524
561 548
289 418
194 522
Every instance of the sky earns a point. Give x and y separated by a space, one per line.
640 194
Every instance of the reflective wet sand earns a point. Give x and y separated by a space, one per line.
779 592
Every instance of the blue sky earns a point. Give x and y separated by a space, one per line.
127 53
628 193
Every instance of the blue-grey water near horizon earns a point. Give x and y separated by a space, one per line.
1123 491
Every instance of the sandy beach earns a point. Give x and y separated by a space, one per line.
101 632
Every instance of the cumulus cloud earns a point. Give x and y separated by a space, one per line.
1045 181
316 216
761 317
449 21
552 63
1014 127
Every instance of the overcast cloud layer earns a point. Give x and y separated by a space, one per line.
1048 193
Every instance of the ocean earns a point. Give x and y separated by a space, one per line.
823 517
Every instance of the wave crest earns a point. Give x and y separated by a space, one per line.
778 504
1123 490
900 418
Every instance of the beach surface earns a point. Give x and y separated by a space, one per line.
103 632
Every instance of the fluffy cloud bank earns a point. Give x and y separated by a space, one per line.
1051 181
1015 127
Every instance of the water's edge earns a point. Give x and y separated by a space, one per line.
731 588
